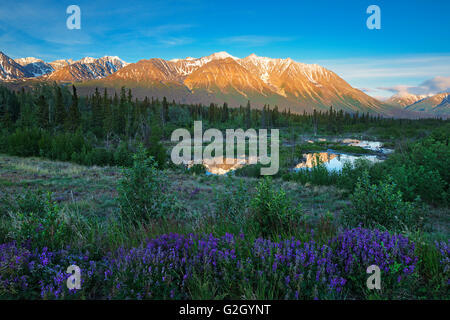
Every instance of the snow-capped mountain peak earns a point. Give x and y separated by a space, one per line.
27 60
221 55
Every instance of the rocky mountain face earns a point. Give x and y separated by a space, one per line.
11 70
59 64
35 67
86 69
221 77
59 70
438 105
404 99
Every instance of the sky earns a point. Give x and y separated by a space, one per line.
410 53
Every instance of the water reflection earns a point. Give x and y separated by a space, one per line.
221 166
370 145
331 161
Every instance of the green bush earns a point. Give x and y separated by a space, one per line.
41 227
233 202
143 193
123 156
272 211
381 206
29 201
197 168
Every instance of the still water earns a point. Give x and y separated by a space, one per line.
331 160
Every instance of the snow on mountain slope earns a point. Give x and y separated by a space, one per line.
219 77
86 69
58 64
404 99
10 70
34 66
280 81
437 104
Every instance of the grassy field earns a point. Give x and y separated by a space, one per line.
93 190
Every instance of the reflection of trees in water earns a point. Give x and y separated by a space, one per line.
311 159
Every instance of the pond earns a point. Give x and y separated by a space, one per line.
332 160
370 145
335 160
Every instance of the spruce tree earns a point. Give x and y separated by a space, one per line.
164 111
97 114
60 110
248 119
73 117
43 112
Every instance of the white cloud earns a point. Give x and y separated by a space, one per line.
428 87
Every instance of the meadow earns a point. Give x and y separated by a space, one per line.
107 199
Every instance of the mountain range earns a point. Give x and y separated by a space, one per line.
437 104
220 78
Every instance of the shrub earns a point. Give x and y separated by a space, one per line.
29 201
251 170
143 193
233 202
197 168
380 206
272 210
123 156
42 227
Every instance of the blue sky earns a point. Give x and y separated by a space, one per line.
411 51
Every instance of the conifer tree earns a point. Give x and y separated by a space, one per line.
43 112
248 119
60 110
97 113
164 111
73 117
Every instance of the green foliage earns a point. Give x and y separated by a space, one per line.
143 193
123 155
23 142
197 169
156 148
29 201
423 168
233 202
272 210
251 170
43 226
381 206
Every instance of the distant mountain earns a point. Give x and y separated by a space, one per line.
404 99
11 70
86 69
221 77
58 64
438 104
35 67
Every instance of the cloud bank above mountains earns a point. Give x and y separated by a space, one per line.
429 87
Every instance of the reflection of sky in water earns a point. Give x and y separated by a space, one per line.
370 145
337 163
219 166
332 161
